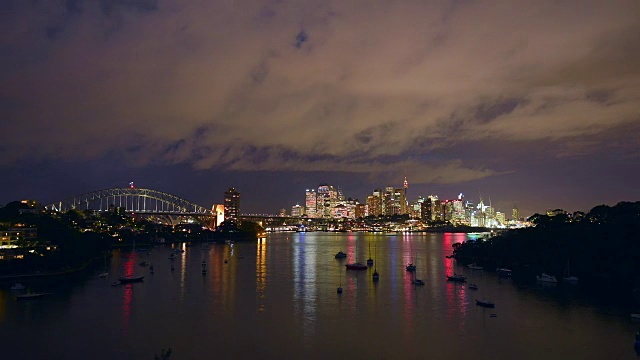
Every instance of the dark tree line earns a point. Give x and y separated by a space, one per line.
600 246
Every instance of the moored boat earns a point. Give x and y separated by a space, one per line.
356 266
475 266
32 296
547 278
456 278
411 267
130 279
504 272
17 286
417 282
473 286
341 255
485 303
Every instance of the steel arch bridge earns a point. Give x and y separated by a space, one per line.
132 200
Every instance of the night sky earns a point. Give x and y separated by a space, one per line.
532 103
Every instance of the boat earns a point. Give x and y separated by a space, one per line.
417 282
635 316
547 278
503 272
485 303
450 256
369 260
341 255
144 263
32 296
375 275
226 261
411 267
17 286
456 278
172 267
473 286
115 283
130 279
340 286
475 266
568 277
356 265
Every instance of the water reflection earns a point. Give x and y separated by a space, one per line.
261 273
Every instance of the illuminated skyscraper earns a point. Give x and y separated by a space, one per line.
515 213
310 203
231 207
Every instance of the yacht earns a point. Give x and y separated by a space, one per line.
547 278
475 266
456 278
485 303
341 255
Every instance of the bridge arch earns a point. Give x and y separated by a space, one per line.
132 200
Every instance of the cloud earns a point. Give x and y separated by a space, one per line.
364 87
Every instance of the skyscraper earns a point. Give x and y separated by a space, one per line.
310 203
231 207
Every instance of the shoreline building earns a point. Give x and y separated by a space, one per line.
231 206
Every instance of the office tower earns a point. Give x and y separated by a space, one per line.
515 213
297 211
231 207
310 203
374 204
327 199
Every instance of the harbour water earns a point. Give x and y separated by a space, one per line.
277 299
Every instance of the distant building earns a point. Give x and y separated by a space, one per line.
515 214
218 213
231 207
310 203
297 210
360 211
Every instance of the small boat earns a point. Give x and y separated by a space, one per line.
356 266
473 286
485 303
17 286
130 279
411 267
226 261
369 260
456 278
547 278
450 256
32 296
144 263
503 272
375 275
204 271
115 283
475 266
340 255
103 275
340 286
417 282
635 316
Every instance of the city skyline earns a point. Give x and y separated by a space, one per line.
531 104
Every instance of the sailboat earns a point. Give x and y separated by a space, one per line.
416 281
356 265
411 266
375 275
567 277
104 272
340 287
370 260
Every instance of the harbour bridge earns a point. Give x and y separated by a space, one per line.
134 200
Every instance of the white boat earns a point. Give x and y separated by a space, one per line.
635 316
475 266
547 278
103 275
32 296
504 272
17 286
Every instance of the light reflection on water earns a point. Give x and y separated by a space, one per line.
279 300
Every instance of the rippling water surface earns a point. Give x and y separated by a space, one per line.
277 299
